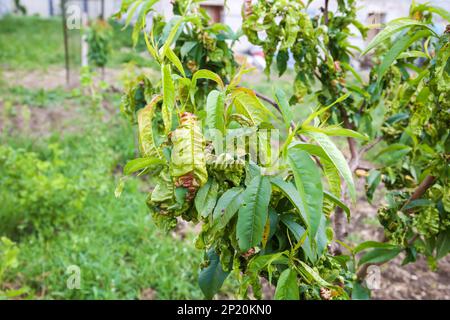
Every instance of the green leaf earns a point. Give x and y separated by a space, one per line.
215 108
353 71
335 131
322 110
442 244
258 262
394 151
373 180
212 277
282 59
360 292
309 186
300 234
379 255
285 108
173 32
329 169
206 198
141 163
287 287
168 98
289 190
311 275
141 19
226 207
175 60
249 106
399 46
412 54
206 74
338 160
131 12
391 28
372 244
252 215
440 11
337 202
147 144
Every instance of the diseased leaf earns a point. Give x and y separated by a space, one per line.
287 287
266 233
252 215
188 154
168 98
147 145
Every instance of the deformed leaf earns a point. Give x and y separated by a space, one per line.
147 144
168 98
188 154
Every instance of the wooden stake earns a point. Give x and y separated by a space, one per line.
66 40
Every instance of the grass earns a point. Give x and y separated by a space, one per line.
35 43
30 43
114 242
119 252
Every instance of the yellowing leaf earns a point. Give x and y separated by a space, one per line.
147 145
